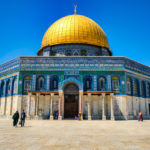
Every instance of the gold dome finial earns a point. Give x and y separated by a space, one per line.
75 9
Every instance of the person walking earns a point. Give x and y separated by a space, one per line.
23 116
140 116
15 118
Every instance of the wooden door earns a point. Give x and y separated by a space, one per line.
71 106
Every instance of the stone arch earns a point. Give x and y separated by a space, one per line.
71 80
102 83
54 82
71 88
40 82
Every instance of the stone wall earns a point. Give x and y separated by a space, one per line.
125 107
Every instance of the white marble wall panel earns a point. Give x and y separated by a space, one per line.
46 105
32 106
25 103
95 105
85 105
130 105
2 105
15 104
55 103
8 105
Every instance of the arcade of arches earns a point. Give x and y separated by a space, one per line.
69 102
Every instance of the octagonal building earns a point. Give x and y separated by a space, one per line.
74 73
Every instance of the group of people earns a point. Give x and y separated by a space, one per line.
79 117
23 116
16 118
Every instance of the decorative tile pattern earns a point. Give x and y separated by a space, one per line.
33 82
95 82
109 82
74 68
48 82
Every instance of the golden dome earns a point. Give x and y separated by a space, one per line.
75 29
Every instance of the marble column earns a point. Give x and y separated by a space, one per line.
112 106
11 96
145 110
28 105
89 106
60 105
81 104
51 106
0 105
37 105
5 105
147 107
103 107
0 96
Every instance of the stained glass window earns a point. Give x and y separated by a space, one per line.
129 85
15 86
115 83
54 82
135 87
102 83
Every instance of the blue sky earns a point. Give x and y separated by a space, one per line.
125 22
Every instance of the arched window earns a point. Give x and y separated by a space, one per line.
143 91
76 54
87 83
15 86
53 53
83 52
68 52
54 82
2 89
8 87
136 87
148 89
129 85
41 83
116 83
27 83
101 83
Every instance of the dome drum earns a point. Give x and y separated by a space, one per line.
74 50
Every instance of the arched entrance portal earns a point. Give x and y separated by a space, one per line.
71 100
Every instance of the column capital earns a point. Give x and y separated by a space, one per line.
37 94
30 94
111 94
61 92
103 94
81 92
89 94
51 94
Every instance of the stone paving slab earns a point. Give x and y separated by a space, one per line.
75 135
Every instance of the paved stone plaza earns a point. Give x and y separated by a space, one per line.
75 135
